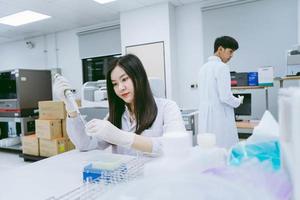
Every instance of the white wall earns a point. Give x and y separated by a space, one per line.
265 30
50 51
173 54
298 20
189 52
147 25
260 23
104 42
69 59
18 55
58 50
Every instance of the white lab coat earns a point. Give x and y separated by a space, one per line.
216 113
168 119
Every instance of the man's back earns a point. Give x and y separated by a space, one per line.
216 102
208 77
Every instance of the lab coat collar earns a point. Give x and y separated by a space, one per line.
126 116
214 58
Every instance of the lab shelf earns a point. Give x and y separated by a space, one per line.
286 78
235 88
245 128
15 126
15 148
249 87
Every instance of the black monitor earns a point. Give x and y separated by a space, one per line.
245 108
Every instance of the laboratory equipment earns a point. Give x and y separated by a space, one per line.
21 89
69 96
172 140
233 81
112 170
293 62
71 99
94 94
15 126
116 171
190 119
242 78
90 113
244 109
95 68
206 154
11 128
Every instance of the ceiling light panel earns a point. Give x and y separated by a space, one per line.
22 18
104 1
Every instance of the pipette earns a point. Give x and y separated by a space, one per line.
71 99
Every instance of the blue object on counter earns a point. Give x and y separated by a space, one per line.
253 78
263 151
91 173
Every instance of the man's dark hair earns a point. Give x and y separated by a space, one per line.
226 42
145 109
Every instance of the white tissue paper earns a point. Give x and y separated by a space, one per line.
267 129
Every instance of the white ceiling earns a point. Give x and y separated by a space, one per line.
70 14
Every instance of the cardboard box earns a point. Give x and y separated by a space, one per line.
53 147
64 129
265 76
30 145
52 110
48 129
253 78
70 145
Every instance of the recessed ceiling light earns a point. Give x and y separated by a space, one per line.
104 1
23 17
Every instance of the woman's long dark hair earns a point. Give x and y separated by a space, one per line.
145 109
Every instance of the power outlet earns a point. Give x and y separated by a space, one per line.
194 86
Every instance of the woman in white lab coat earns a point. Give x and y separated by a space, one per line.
136 119
216 114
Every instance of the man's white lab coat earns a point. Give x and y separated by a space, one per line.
216 113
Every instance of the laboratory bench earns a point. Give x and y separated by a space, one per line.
286 78
51 177
245 128
236 89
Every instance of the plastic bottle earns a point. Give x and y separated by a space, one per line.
206 154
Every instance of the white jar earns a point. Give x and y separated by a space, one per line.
206 154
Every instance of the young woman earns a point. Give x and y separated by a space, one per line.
136 119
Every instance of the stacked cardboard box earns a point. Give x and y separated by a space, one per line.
51 134
30 145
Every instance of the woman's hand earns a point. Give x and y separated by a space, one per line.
108 132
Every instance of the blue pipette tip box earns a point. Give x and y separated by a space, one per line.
91 173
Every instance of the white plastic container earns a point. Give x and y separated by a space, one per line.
206 154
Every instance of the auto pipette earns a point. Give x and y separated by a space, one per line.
71 99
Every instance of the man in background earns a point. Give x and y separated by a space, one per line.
217 103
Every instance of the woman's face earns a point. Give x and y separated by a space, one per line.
123 85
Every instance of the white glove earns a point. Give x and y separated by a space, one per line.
106 131
60 86
241 98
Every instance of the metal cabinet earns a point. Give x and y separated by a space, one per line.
190 119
